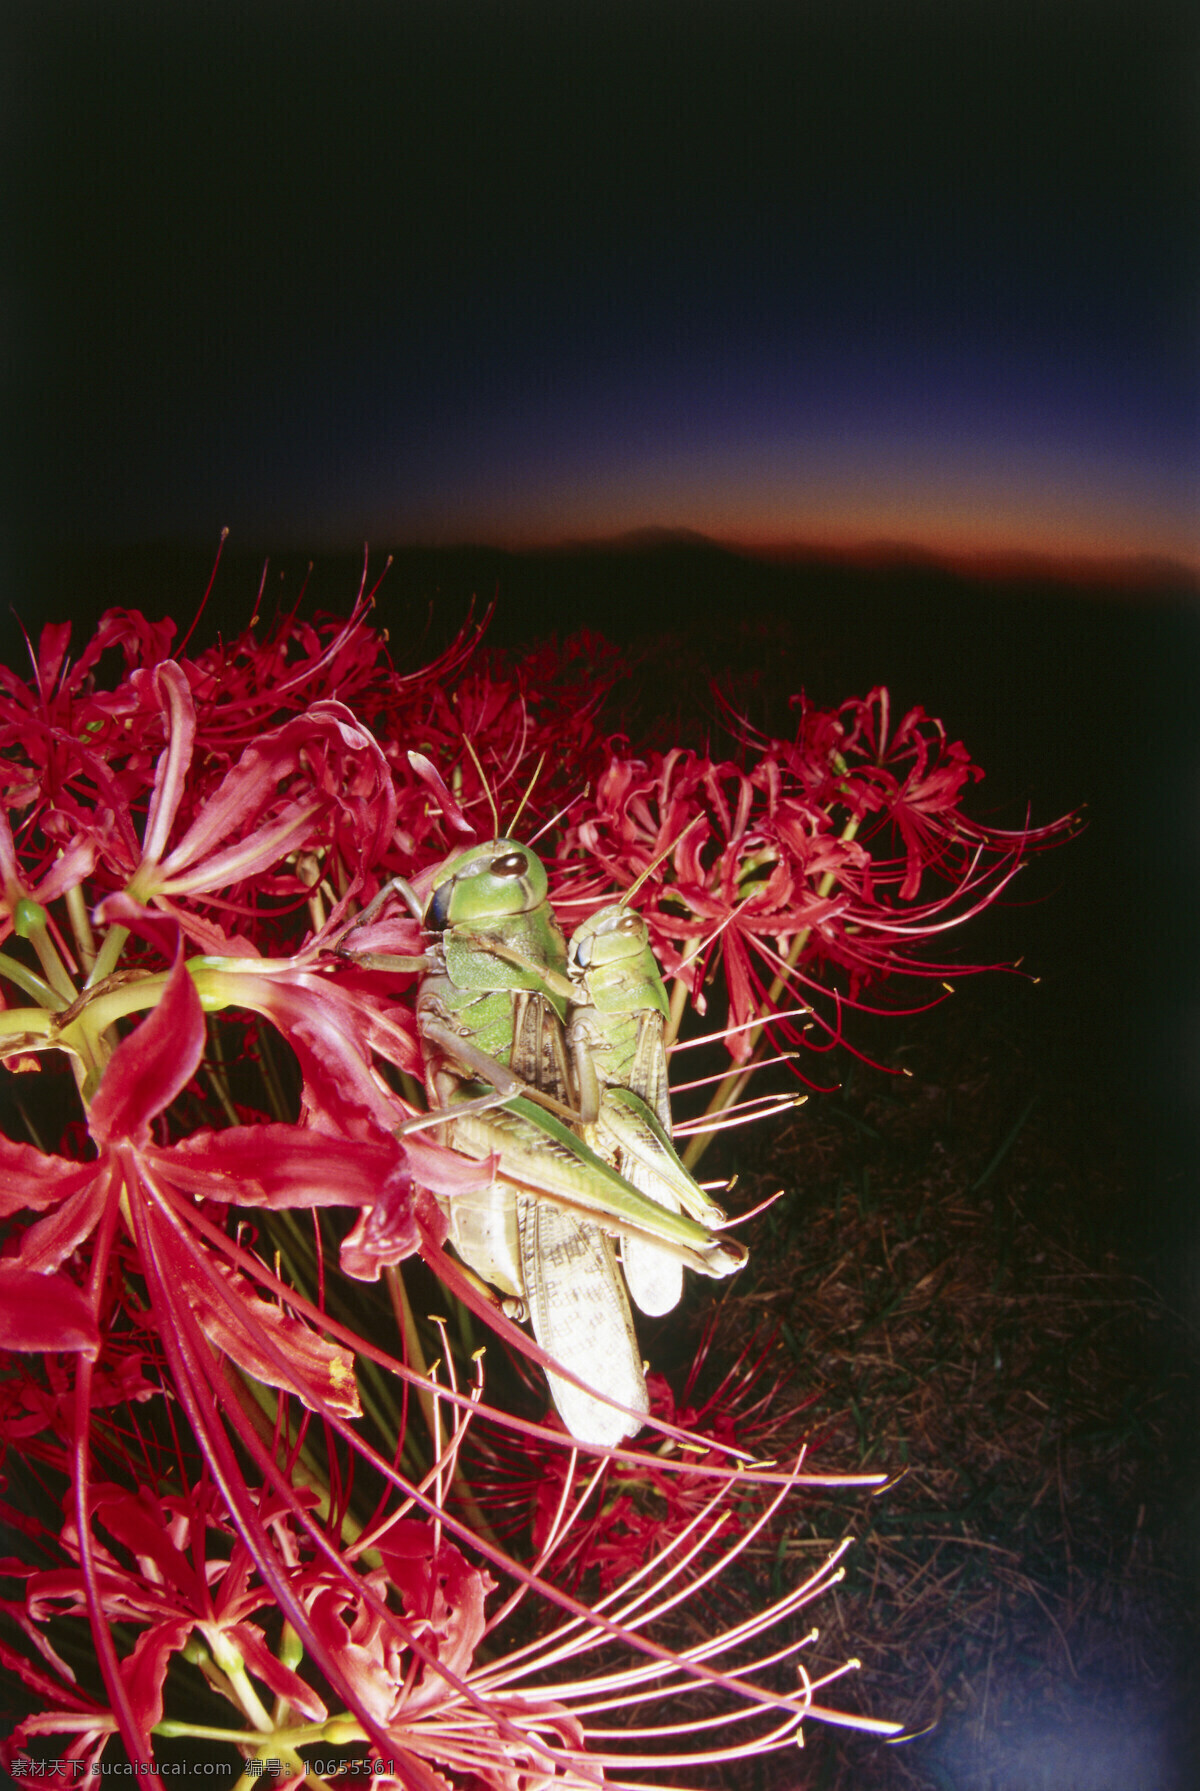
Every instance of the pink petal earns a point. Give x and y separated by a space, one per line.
145 1669
179 713
136 1520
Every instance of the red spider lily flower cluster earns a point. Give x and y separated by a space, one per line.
246 1503
843 848
625 1507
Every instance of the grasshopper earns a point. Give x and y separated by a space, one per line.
490 1011
615 1034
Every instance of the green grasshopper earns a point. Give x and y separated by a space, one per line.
490 1011
615 1034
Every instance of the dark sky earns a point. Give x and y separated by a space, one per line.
836 272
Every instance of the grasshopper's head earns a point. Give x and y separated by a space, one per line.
487 883
609 936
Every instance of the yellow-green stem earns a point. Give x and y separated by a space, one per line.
229 1660
37 932
109 955
13 971
81 927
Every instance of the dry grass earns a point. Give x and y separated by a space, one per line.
1021 1592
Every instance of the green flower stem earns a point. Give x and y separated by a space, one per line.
729 1089
337 1731
24 978
116 1003
170 1730
132 994
109 955
33 1022
84 1033
81 927
233 1666
32 922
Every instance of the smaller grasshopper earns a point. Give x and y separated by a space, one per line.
615 1034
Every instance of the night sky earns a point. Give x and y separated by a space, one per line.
858 276
831 273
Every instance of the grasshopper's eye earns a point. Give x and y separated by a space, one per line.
437 914
512 864
624 924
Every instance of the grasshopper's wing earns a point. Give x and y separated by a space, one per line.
655 1279
648 1071
581 1317
539 1053
654 1276
483 1229
631 1135
576 1302
628 1124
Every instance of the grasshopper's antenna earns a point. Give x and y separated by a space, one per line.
564 810
487 788
537 771
629 894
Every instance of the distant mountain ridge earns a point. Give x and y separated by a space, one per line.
1128 571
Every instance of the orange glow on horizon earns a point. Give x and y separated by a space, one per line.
1118 567
1035 521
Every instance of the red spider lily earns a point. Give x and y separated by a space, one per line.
780 872
175 1586
628 1509
226 1439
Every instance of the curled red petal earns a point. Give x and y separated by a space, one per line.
153 1065
403 1217
179 712
258 1333
159 930
145 1670
384 1235
441 1587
